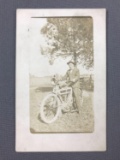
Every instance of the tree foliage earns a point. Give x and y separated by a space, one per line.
69 37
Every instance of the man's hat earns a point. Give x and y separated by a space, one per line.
71 61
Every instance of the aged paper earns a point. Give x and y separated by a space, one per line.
61 80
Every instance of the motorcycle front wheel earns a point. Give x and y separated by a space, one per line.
50 108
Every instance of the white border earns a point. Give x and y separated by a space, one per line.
26 141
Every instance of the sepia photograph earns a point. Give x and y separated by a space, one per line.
61 74
60 80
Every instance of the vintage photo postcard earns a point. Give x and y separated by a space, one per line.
60 80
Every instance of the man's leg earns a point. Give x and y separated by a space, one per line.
76 96
74 107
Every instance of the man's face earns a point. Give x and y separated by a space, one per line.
71 65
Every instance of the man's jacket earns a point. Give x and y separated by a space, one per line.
73 75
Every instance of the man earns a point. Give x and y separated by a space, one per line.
73 79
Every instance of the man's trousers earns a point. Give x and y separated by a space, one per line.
77 98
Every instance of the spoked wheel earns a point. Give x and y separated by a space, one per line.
49 109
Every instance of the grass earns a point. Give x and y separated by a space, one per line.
68 122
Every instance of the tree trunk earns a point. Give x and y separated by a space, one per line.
75 58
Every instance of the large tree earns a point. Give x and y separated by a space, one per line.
69 37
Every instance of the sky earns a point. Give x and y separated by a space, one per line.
39 64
